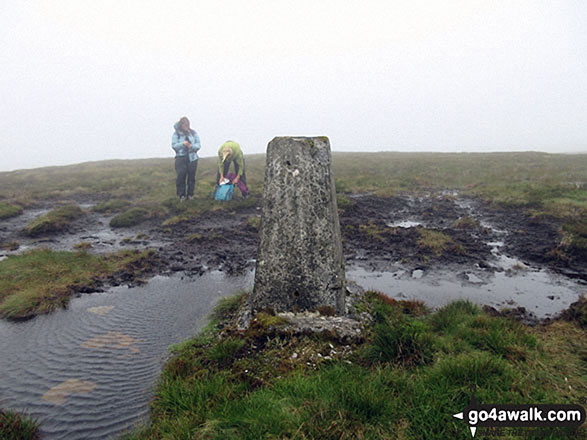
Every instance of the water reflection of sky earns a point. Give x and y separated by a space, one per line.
88 372
539 291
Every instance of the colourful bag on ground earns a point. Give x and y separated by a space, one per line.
224 192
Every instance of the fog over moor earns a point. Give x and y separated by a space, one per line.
85 80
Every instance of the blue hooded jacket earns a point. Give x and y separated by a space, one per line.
178 139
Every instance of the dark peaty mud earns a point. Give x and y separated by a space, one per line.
375 236
417 232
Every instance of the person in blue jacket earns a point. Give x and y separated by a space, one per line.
186 144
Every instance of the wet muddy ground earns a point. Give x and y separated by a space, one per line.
87 372
385 230
378 235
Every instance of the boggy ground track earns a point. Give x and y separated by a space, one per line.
441 231
417 232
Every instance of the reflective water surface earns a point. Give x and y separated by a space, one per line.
88 372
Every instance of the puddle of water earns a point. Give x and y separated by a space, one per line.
404 224
472 278
96 232
88 372
540 292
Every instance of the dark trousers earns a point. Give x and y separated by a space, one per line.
243 178
185 169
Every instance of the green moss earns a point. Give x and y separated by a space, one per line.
268 320
132 217
7 211
54 221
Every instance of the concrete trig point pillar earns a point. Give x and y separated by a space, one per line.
300 263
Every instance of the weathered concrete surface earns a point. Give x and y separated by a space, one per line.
300 265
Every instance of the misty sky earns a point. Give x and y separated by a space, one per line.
91 80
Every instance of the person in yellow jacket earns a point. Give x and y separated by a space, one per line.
230 152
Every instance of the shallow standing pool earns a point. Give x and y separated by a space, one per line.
88 372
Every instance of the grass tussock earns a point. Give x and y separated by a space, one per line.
413 371
550 185
15 426
131 217
10 245
433 241
9 210
40 281
254 222
574 241
577 312
466 223
54 221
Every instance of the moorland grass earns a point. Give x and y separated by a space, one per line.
413 371
15 426
131 217
9 210
528 178
434 241
54 221
40 281
541 183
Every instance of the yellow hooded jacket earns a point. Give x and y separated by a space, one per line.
236 156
